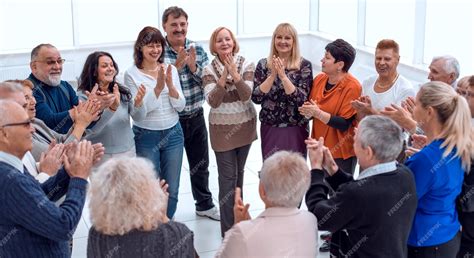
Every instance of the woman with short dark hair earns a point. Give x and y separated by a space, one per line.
329 103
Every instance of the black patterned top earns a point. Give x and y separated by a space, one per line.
278 108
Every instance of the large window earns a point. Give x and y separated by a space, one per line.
263 16
112 21
25 24
206 16
339 18
449 29
389 19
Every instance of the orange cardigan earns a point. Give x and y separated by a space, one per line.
337 102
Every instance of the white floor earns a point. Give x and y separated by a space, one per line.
206 232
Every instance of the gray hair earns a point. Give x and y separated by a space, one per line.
9 87
125 194
285 178
382 135
451 64
35 50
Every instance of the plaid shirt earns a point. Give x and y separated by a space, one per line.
191 83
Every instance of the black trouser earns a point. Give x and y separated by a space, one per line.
445 250
467 237
196 147
230 166
339 238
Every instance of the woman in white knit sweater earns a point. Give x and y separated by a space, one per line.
228 83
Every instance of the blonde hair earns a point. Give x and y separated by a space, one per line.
294 61
455 117
285 178
212 41
125 195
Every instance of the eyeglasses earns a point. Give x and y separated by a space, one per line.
25 124
52 62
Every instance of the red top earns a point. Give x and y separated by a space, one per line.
337 102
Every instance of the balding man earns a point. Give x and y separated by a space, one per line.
55 98
31 225
444 69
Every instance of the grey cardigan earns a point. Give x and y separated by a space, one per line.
43 135
172 239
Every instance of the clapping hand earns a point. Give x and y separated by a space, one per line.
409 105
51 160
160 81
116 102
86 112
241 211
231 67
279 67
138 101
222 80
78 159
310 109
363 106
401 116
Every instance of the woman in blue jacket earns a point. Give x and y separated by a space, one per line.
439 170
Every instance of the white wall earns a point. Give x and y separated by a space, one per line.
16 66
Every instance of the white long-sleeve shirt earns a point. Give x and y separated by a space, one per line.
161 112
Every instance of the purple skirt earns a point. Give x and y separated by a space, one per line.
283 138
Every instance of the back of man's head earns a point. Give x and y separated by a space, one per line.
285 178
382 135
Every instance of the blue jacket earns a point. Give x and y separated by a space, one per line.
438 183
31 225
53 104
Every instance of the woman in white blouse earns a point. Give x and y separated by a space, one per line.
159 136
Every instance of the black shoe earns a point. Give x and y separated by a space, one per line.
325 236
325 246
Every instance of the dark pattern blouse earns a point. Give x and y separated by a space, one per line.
279 109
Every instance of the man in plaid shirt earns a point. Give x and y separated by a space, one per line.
190 59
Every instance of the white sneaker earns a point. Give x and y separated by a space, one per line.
212 213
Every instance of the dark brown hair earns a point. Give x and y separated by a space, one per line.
146 36
175 11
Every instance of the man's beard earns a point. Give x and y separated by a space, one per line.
54 80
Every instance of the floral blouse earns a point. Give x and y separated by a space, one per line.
278 108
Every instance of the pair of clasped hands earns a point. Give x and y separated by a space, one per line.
76 157
105 99
229 68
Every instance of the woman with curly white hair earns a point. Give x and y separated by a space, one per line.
128 214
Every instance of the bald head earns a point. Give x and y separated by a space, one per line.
9 110
16 136
12 91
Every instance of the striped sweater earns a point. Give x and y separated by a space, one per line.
232 119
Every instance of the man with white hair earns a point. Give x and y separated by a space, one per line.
281 230
31 225
373 214
444 69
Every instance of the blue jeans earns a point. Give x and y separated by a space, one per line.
165 149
